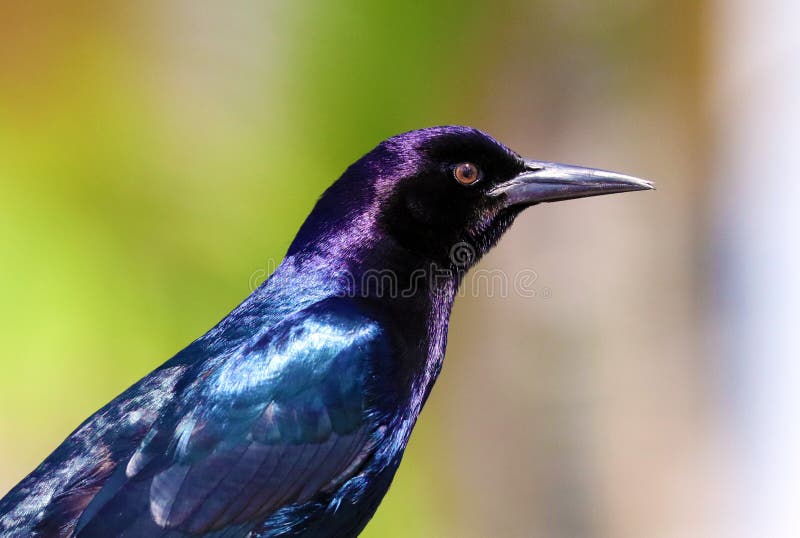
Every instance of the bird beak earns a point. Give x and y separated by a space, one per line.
550 182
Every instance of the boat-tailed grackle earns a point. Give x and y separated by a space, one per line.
291 415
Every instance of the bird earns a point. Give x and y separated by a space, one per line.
290 417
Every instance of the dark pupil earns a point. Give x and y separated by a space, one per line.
467 171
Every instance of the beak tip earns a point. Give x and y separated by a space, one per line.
647 185
630 183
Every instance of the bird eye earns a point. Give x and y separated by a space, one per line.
466 173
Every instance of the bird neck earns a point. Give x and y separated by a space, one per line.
413 295
379 269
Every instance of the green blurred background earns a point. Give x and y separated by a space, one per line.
156 158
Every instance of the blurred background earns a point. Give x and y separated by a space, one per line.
156 158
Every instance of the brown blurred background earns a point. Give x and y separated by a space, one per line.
154 156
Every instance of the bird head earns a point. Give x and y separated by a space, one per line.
429 190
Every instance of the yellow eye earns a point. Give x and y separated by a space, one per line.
466 173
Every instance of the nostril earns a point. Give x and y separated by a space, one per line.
533 166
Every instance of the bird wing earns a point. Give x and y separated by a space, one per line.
276 422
